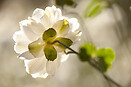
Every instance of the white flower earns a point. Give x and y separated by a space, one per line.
35 40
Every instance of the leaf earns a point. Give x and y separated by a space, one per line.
94 8
87 51
35 47
50 52
65 2
49 34
65 41
105 58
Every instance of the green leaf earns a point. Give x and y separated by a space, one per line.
49 34
105 58
94 8
50 52
87 51
65 41
65 2
35 47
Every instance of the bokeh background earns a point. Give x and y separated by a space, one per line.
110 28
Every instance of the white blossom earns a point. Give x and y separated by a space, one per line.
32 40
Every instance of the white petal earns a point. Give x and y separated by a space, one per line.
37 28
58 14
64 57
58 26
74 25
22 42
45 21
19 36
50 11
20 47
26 55
36 65
42 75
52 66
53 13
25 26
37 14
74 36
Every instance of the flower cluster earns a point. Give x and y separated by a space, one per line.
36 40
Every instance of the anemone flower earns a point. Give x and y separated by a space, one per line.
35 41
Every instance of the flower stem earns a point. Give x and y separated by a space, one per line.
105 76
92 63
66 46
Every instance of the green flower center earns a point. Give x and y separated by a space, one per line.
47 45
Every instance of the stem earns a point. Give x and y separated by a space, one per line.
66 46
96 67
105 76
69 52
92 63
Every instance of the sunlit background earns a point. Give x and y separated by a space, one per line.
109 27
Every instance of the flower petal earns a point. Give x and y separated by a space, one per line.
50 11
26 55
20 47
36 65
45 21
25 26
58 14
62 27
22 42
64 57
19 36
74 25
40 74
53 13
52 66
37 28
37 14
74 36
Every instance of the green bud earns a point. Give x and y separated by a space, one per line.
87 52
105 58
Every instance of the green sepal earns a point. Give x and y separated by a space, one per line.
49 34
105 58
35 47
50 52
65 41
87 51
